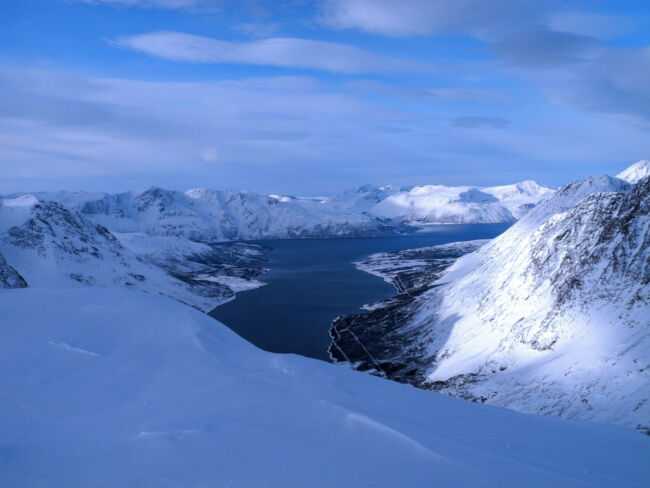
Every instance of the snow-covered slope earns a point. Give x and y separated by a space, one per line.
444 204
233 265
108 387
637 171
9 277
556 320
551 317
54 247
362 198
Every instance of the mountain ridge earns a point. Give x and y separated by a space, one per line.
550 317
215 215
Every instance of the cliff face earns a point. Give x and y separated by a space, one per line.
9 277
551 317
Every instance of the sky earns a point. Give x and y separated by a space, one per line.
313 97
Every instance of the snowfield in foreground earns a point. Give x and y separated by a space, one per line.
112 387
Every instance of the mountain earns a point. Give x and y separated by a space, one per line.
9 277
115 387
637 171
55 247
212 216
209 215
461 204
362 198
551 317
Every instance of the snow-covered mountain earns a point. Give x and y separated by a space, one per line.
55 247
109 387
210 215
637 171
461 204
551 317
363 198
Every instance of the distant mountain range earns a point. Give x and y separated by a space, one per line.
169 241
210 215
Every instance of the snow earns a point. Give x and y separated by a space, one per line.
462 204
636 172
54 247
551 317
26 200
235 283
109 378
388 265
209 215
114 387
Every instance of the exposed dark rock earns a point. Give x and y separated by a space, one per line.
9 277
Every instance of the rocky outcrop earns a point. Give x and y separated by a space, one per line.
9 277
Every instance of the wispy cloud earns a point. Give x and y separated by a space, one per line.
283 52
540 46
484 95
161 4
420 17
475 122
593 24
564 52
285 134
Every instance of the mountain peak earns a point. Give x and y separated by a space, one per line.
635 172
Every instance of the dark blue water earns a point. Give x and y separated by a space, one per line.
312 281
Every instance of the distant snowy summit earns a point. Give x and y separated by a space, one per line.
435 204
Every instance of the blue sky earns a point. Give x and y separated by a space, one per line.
312 97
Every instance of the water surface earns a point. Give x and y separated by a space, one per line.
312 281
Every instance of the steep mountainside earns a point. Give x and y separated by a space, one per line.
52 246
107 387
551 317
